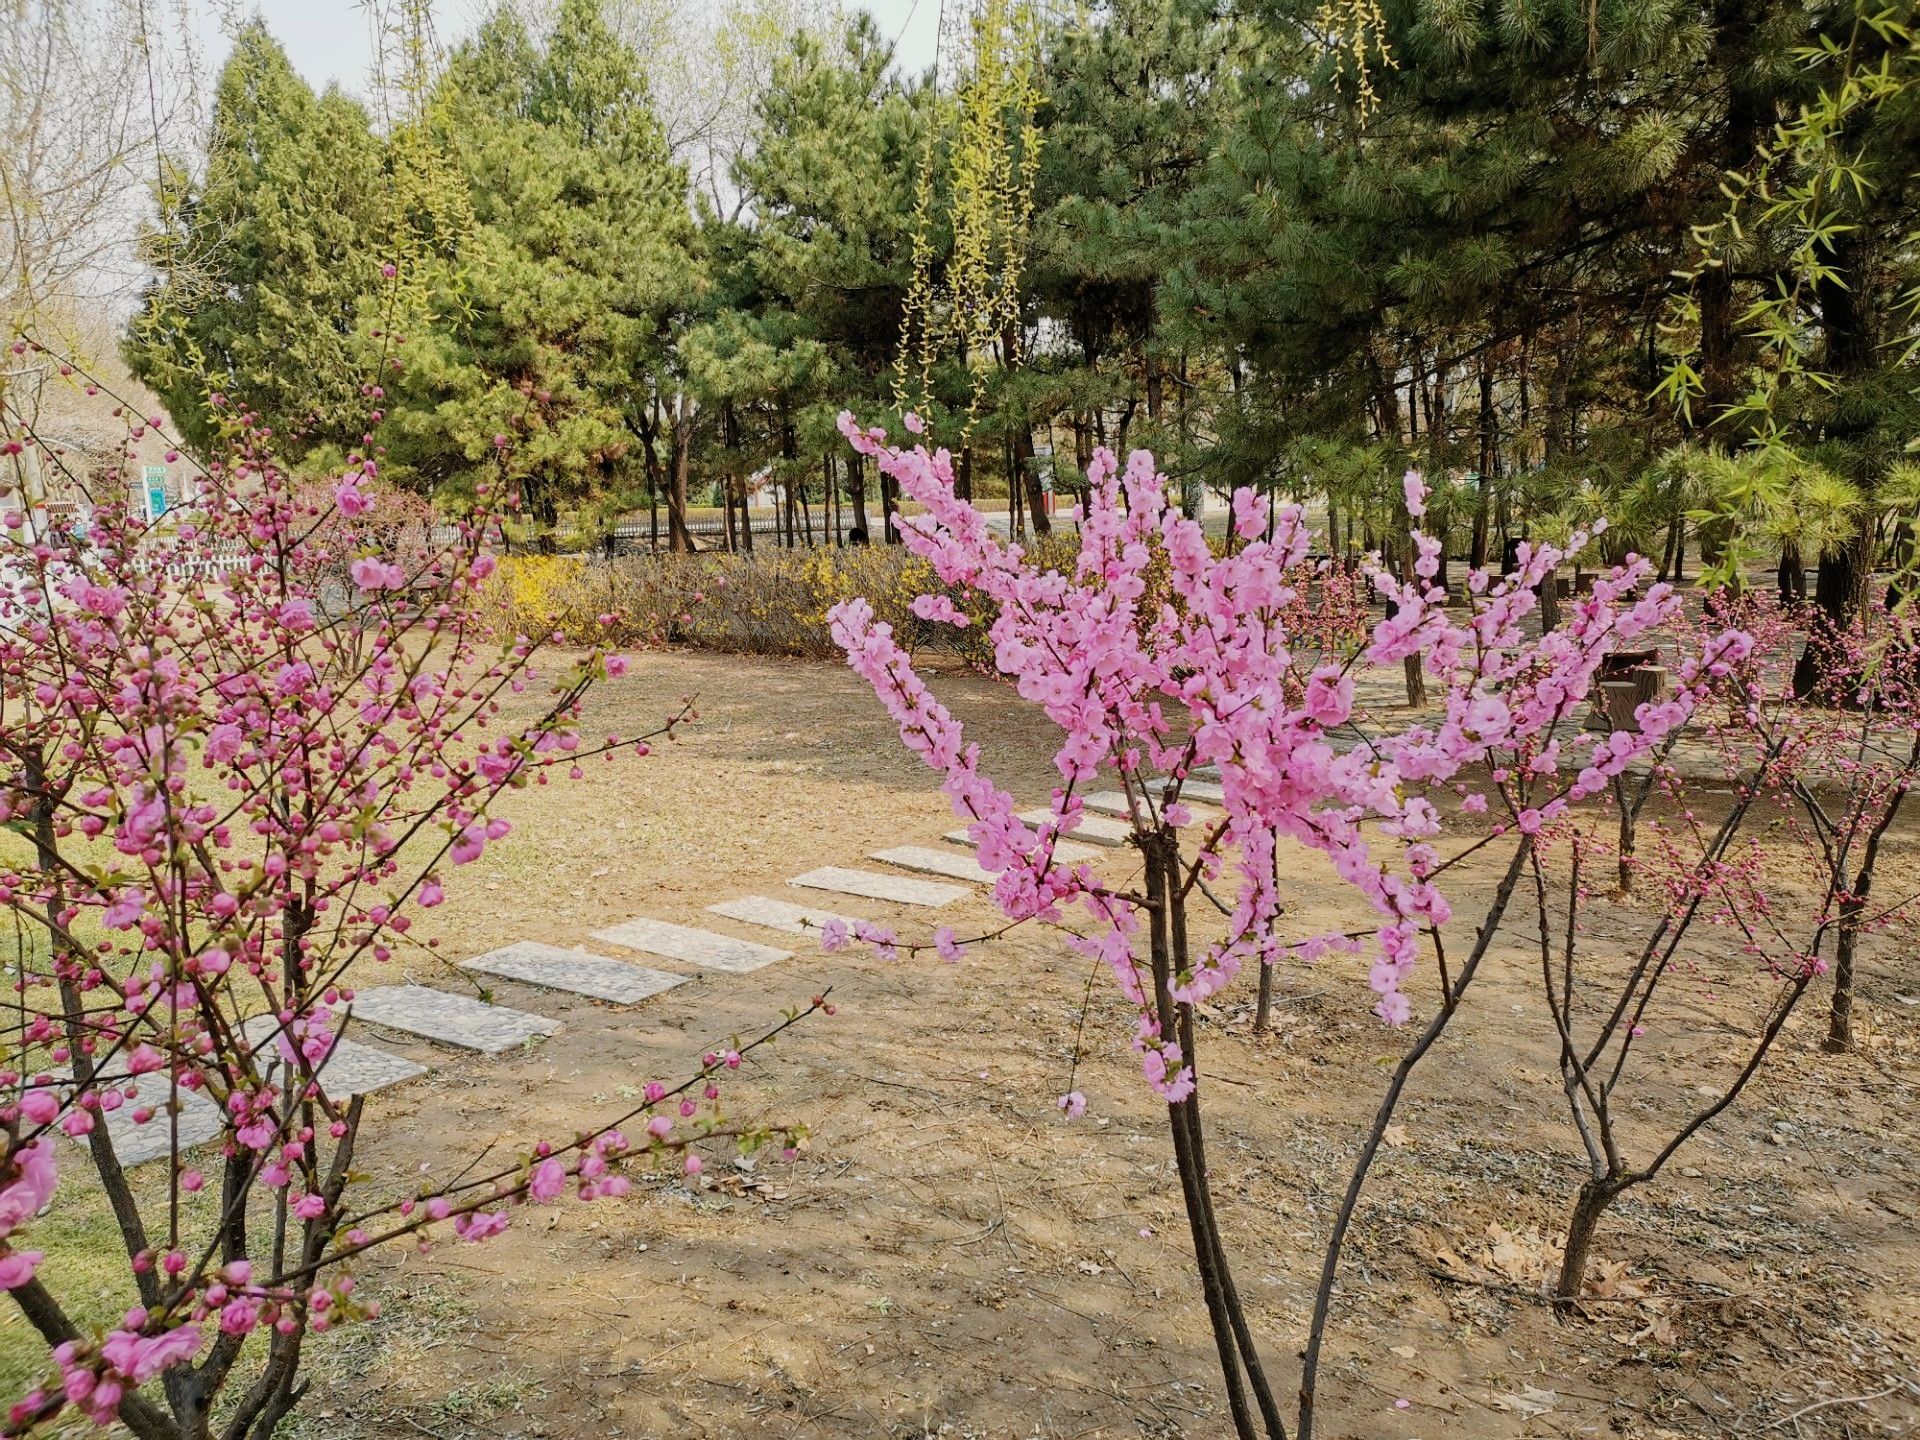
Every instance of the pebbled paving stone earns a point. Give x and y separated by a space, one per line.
875 885
350 1068
779 915
954 864
1093 829
578 972
1113 802
1067 852
696 947
199 1122
450 1019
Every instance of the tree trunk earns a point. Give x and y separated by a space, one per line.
1233 1338
1595 1196
1627 828
1489 461
1416 676
1840 1011
1842 577
1840 581
1029 480
1791 577
679 538
1016 502
730 437
857 493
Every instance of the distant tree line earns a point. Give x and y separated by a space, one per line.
1650 259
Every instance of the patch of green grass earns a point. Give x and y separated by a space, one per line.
489 1397
86 1268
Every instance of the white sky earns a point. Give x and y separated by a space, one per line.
332 39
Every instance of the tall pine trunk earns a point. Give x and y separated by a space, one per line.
679 537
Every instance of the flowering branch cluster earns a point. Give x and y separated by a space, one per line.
243 750
1160 653
1118 668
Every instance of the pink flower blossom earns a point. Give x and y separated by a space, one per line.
33 1186
352 500
140 1358
17 1267
481 1225
371 574
548 1180
39 1106
1329 697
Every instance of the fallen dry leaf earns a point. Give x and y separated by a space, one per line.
1608 1280
1660 1329
1525 1257
1527 1402
1395 1135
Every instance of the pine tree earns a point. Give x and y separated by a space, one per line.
831 177
556 330
269 269
1133 102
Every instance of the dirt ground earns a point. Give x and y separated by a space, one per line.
951 1256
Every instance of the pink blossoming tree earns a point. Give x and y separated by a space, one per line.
1147 682
241 755
1759 900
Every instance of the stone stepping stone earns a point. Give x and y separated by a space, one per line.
1113 802
1093 829
696 947
1206 790
780 915
1067 852
928 861
1206 772
1108 802
578 972
350 1068
873 885
140 1144
451 1019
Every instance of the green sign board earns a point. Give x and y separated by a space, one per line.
155 478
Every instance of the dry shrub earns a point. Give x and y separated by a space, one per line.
772 602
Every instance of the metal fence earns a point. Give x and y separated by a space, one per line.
638 536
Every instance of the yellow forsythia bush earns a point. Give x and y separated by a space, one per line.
587 600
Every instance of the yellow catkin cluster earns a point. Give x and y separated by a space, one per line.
430 208
995 152
1353 29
